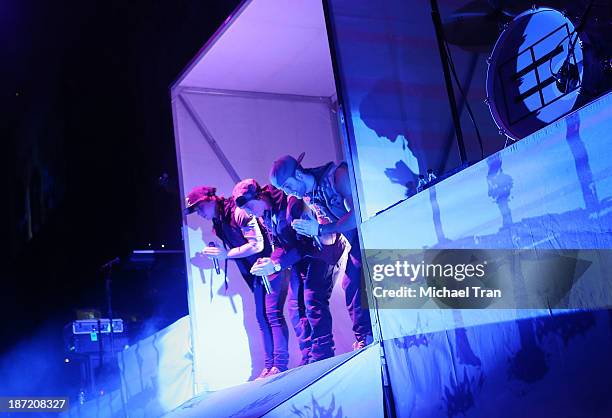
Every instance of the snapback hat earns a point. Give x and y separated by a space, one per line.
197 195
244 191
283 168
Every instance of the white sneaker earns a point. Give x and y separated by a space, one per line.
264 373
358 345
274 370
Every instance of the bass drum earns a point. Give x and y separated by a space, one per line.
538 72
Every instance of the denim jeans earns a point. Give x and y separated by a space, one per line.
271 320
311 287
296 308
262 321
356 300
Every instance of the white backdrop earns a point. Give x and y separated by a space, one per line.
559 194
251 130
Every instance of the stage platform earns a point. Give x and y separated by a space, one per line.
348 385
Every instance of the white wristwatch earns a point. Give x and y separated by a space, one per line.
277 267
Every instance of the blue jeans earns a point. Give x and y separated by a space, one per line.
354 292
271 320
311 287
297 313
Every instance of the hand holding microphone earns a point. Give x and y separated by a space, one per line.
215 254
263 267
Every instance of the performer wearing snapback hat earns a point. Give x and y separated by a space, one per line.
327 190
244 243
311 266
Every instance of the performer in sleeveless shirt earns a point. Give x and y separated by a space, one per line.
327 190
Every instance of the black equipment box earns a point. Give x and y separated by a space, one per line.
90 336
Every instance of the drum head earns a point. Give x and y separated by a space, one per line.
534 75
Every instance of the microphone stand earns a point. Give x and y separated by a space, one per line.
108 270
437 22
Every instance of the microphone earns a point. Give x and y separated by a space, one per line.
215 260
308 216
266 284
317 242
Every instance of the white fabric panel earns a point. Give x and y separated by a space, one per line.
557 366
550 190
276 46
256 398
156 377
352 390
251 133
220 340
157 372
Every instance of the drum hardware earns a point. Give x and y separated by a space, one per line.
446 70
542 67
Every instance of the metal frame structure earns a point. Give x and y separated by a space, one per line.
181 97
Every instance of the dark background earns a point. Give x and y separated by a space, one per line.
87 121
86 126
